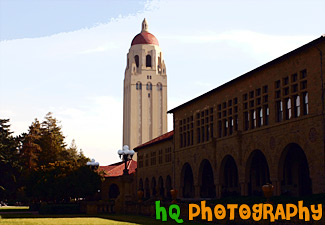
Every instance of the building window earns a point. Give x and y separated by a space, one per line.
279 111
148 61
225 127
186 131
138 86
159 86
140 161
259 117
253 119
246 121
303 74
153 158
277 84
288 109
266 114
296 102
160 156
136 60
231 125
147 160
305 103
149 86
168 154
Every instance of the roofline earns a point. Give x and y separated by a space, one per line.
146 144
276 60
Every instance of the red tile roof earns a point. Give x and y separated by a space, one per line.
116 169
163 137
144 38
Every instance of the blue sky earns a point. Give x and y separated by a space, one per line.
69 56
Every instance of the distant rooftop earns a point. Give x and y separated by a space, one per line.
166 136
116 169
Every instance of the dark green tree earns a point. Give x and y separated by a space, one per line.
9 161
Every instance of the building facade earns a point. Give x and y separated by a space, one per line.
266 126
145 90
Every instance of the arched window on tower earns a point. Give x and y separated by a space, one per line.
149 86
148 61
138 85
159 87
136 60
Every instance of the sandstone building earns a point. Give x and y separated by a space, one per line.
145 90
265 126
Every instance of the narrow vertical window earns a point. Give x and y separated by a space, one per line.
211 130
188 138
296 106
219 128
266 114
259 117
231 125
136 60
279 110
148 61
198 135
236 123
202 133
305 103
246 123
225 127
288 109
253 119
207 133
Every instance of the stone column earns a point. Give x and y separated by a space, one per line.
243 188
197 191
218 190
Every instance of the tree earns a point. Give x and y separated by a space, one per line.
9 160
31 149
51 141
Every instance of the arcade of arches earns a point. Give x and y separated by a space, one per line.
292 170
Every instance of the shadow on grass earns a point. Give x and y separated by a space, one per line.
136 219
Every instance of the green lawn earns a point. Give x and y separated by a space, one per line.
29 219
13 208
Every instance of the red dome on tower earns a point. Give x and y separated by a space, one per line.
144 37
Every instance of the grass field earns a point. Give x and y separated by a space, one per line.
13 208
32 219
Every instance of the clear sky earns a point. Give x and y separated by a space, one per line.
68 56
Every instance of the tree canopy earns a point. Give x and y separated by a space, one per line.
38 165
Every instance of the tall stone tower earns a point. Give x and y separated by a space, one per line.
145 90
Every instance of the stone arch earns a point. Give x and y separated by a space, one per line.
153 186
148 60
136 60
168 186
138 85
161 189
206 180
113 191
140 185
159 86
257 172
293 171
187 181
147 188
149 86
229 177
